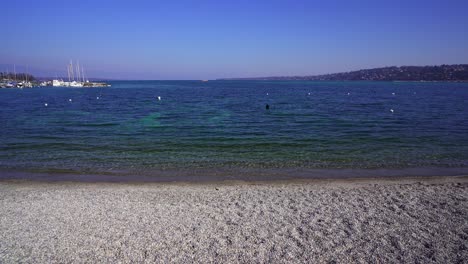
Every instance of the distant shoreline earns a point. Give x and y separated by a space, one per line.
455 72
380 81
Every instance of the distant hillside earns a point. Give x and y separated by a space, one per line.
458 72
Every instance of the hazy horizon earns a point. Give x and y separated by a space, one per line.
210 40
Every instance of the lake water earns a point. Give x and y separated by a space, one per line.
223 128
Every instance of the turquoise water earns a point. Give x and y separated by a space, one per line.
224 126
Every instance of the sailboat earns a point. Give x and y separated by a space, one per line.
76 78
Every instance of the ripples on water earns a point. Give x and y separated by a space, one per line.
220 124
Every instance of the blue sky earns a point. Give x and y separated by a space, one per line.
215 39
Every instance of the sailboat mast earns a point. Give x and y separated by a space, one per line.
71 70
78 77
68 70
14 70
82 73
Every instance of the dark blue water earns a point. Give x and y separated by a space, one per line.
224 125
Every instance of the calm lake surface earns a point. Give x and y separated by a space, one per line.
224 126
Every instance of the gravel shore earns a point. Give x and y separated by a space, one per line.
374 220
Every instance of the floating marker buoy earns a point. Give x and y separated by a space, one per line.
159 98
69 100
391 110
393 93
45 104
349 93
309 93
97 98
267 94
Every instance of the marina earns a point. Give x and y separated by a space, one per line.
76 78
14 80
75 75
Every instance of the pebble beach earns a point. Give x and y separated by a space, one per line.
315 221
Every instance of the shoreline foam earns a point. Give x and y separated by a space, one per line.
230 174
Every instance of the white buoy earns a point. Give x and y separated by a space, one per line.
45 104
69 100
393 93
391 110
349 93
267 94
159 98
97 98
309 93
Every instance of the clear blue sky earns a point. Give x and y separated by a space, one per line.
214 39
